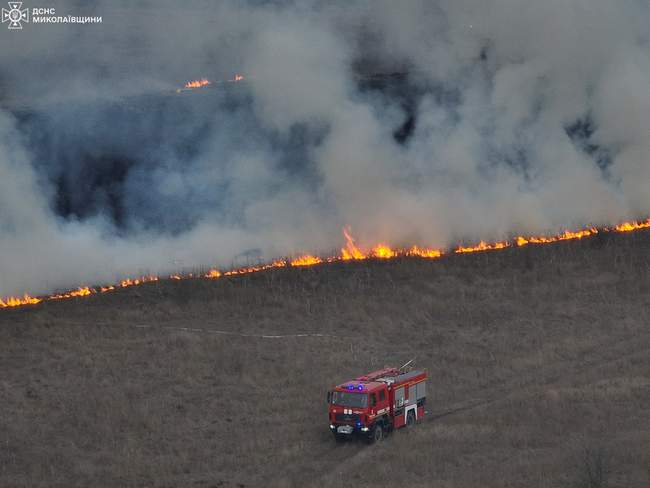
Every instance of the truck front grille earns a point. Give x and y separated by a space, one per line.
347 417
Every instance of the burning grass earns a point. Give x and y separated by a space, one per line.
197 83
350 252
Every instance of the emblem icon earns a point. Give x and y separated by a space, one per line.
15 15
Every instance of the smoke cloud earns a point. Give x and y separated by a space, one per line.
420 122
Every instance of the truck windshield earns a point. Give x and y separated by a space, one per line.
349 399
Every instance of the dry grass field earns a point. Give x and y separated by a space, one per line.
539 364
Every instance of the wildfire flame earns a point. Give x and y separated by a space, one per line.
307 260
416 251
382 251
483 246
205 82
79 292
19 301
138 281
254 269
351 251
197 83
632 226
566 236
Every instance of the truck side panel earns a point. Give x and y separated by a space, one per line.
406 396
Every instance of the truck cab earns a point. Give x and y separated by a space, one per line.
374 404
356 408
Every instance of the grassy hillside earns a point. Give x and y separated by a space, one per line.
539 363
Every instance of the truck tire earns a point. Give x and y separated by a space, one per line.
410 419
377 434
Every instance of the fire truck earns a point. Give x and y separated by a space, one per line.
373 405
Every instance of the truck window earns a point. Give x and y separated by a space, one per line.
421 390
382 395
399 397
412 394
373 400
349 399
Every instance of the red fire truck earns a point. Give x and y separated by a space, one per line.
374 404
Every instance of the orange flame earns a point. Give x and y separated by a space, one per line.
482 246
350 251
632 226
306 260
238 77
213 273
255 269
137 281
79 292
197 83
424 253
565 236
19 301
382 251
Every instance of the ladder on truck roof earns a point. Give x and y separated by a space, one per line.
384 374
376 375
389 376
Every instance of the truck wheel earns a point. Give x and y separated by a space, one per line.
410 419
377 434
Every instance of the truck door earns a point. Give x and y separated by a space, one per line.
382 406
382 403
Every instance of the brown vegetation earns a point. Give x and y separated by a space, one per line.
539 363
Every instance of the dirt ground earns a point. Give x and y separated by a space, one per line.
539 364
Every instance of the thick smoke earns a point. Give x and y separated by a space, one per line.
423 122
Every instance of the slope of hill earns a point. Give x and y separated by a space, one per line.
539 363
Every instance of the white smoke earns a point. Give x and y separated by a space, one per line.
529 117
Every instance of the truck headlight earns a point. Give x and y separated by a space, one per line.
331 426
364 429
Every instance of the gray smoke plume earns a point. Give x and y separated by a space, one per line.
418 122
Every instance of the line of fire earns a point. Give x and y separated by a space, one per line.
350 252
